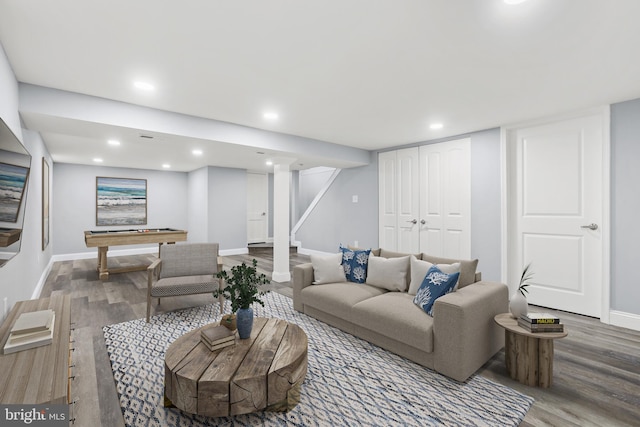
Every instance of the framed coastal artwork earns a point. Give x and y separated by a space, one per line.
121 201
13 180
45 203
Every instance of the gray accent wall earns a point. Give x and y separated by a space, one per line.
625 206
74 210
485 203
20 277
227 206
337 220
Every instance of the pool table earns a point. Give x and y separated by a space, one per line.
102 239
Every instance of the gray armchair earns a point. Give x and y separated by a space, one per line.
184 269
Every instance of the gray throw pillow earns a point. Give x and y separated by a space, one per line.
388 273
327 269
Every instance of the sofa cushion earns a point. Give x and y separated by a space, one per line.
391 254
420 268
388 273
337 299
355 264
327 268
435 284
467 268
394 315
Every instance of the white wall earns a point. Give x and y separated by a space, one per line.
74 192
198 205
228 208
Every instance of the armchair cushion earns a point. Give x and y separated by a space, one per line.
184 285
189 259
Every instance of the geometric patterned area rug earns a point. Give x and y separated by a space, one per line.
349 381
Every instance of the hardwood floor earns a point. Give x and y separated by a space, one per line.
596 378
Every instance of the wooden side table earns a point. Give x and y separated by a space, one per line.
528 355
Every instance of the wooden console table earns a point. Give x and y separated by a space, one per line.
528 355
38 375
105 238
263 372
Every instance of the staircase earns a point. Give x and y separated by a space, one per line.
267 248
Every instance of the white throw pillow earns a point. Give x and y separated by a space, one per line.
328 269
420 268
388 273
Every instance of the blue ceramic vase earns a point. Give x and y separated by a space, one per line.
244 321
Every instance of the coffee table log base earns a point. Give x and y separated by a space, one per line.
263 372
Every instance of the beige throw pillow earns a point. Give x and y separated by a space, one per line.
327 269
388 273
420 268
467 268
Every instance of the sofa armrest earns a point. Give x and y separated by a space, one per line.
464 332
302 277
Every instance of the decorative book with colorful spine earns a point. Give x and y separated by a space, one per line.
540 322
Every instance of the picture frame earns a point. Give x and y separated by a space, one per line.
45 204
121 201
13 182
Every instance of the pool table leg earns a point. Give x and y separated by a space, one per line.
102 262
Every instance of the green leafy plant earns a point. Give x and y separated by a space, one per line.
242 287
526 276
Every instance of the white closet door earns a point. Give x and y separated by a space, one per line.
445 199
408 193
387 205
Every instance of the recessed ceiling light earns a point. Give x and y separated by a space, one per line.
113 142
435 126
269 162
514 1
97 160
197 152
166 165
143 85
271 116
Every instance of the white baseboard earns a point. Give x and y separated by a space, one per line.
624 320
43 279
238 251
304 251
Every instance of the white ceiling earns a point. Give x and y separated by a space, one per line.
363 73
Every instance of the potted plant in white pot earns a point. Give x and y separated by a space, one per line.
518 304
242 288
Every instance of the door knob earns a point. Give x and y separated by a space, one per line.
413 221
591 226
423 222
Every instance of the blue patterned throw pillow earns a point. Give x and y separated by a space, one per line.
355 264
435 284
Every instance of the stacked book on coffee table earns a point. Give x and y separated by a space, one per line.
31 329
540 322
217 337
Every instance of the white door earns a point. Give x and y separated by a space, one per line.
408 193
555 191
257 203
388 209
445 199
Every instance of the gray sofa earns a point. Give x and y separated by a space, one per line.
459 338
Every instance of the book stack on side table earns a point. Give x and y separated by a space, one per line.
31 329
540 322
217 337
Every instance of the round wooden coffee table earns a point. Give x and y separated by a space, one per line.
263 372
528 355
